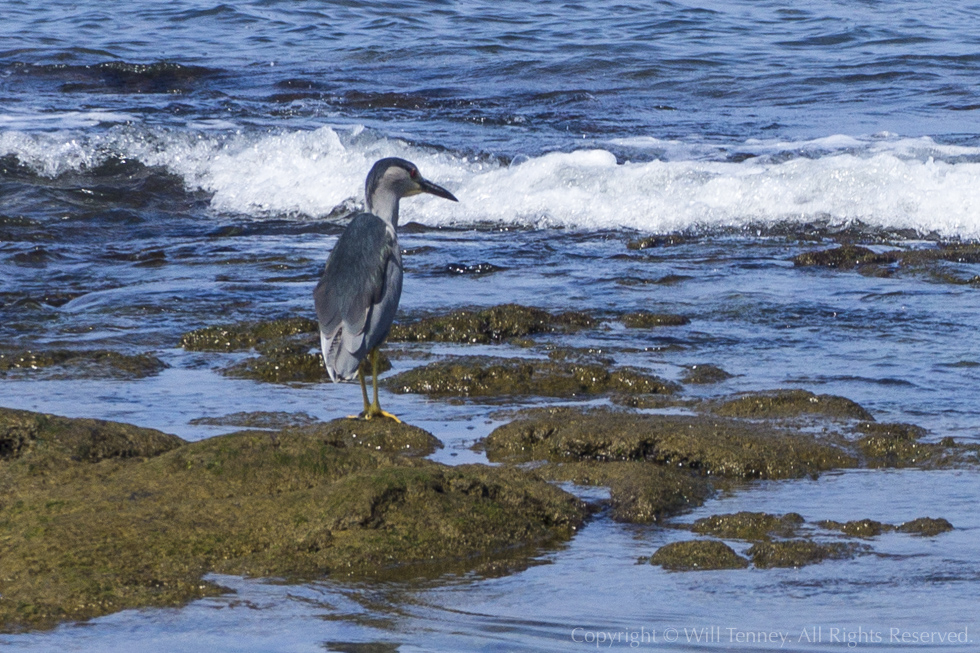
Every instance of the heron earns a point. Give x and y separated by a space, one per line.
357 297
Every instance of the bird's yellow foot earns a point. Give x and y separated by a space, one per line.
371 413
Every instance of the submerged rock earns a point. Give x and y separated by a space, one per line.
711 445
858 527
790 403
925 526
753 526
704 374
85 538
647 320
489 326
844 257
799 553
479 376
698 555
86 363
659 241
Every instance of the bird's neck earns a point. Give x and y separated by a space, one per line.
385 206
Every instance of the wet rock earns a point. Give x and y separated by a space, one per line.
640 492
896 445
489 326
926 526
258 420
49 437
658 241
790 403
300 504
698 555
479 376
292 360
799 553
752 526
844 257
86 363
714 446
858 527
246 335
647 320
704 374
377 435
473 269
283 367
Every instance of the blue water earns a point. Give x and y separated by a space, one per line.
169 165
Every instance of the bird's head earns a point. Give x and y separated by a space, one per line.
393 178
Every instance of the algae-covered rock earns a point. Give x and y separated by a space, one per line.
926 526
640 492
897 445
299 504
478 376
647 320
285 367
489 326
246 335
86 363
50 437
698 555
799 553
753 526
704 374
790 403
377 435
716 446
260 419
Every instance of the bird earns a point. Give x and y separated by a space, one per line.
357 297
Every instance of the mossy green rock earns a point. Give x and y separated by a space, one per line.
489 326
790 403
717 446
82 539
50 440
640 492
478 376
698 555
800 553
752 526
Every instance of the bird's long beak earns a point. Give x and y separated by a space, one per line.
432 189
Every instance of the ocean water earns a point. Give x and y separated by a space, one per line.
169 165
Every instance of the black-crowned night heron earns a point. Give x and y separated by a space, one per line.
358 294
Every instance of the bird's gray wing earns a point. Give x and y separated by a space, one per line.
355 295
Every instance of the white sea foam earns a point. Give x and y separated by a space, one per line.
883 181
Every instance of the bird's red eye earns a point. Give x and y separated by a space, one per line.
413 173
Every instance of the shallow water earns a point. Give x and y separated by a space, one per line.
167 166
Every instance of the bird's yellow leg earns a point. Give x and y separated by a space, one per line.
367 406
374 410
